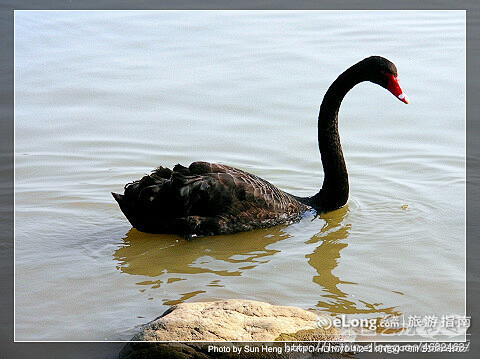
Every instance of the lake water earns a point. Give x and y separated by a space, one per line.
102 98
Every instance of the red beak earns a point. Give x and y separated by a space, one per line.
394 87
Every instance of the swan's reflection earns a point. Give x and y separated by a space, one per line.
211 264
325 258
169 258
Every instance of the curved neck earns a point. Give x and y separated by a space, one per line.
334 192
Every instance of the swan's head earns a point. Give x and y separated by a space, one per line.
384 73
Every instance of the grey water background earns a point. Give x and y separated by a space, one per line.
103 97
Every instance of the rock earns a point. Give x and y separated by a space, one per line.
232 320
227 320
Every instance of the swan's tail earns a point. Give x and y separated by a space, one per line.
124 206
118 197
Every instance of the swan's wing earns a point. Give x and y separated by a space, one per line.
175 193
205 198
204 189
248 190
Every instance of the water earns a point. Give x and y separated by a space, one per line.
104 97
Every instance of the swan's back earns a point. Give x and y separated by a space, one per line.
205 199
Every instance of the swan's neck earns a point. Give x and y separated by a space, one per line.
334 192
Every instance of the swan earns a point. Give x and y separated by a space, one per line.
209 199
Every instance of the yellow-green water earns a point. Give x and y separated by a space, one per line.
102 98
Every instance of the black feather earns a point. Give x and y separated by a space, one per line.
205 199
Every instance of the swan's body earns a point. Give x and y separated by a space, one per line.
208 199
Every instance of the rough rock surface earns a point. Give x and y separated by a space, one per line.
231 320
228 320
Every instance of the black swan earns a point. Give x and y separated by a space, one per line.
209 199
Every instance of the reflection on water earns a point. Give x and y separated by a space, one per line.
168 259
154 255
325 257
